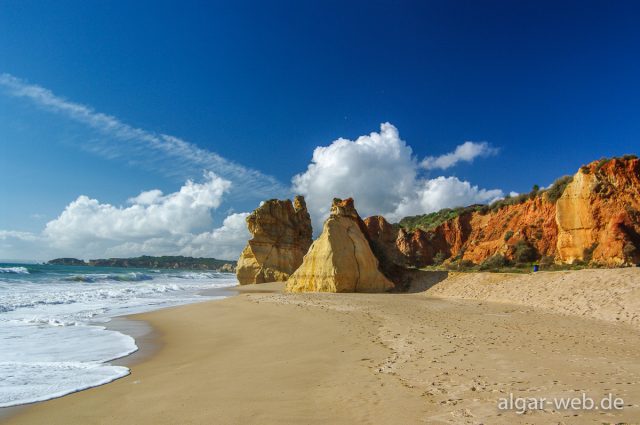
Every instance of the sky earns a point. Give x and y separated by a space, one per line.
130 128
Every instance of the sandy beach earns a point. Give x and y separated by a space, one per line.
266 357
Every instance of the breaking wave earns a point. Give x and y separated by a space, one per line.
14 270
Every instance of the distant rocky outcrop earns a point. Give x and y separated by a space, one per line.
281 236
227 268
341 259
591 218
67 261
147 261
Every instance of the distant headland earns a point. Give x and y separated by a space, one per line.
146 261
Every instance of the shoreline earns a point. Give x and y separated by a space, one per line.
147 339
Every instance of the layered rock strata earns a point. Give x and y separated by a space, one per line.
341 259
281 236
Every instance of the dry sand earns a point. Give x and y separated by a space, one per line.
605 294
265 357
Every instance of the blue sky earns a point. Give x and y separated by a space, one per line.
548 86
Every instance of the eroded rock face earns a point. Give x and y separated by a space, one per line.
341 259
281 237
382 236
596 220
598 215
227 268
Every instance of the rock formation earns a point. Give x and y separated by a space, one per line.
476 236
594 218
341 259
227 268
281 233
598 215
382 237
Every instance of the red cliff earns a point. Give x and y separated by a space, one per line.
593 217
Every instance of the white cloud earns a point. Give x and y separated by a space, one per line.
467 152
228 240
443 192
380 172
149 214
146 198
12 234
377 170
225 242
178 223
159 152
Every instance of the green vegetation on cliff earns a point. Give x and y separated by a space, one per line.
434 219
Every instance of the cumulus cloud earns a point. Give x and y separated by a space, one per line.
466 152
144 147
224 242
380 172
443 192
150 213
152 223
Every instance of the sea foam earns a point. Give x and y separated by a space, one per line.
53 340
16 270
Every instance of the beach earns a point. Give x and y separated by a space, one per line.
265 356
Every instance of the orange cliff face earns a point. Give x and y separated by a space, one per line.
532 222
598 215
596 220
474 236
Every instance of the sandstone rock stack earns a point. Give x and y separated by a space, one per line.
341 259
281 233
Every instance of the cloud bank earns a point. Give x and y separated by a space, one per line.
152 223
145 147
380 172
466 152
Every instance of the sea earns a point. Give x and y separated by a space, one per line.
54 338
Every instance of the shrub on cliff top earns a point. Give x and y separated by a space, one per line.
601 163
434 219
557 188
511 200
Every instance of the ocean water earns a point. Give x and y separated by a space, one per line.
53 339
